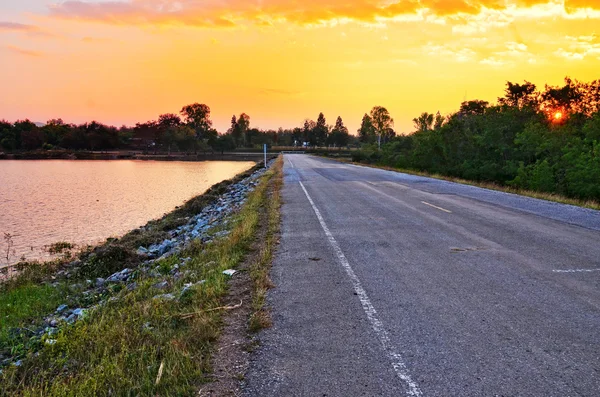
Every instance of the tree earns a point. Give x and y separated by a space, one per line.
186 138
424 122
29 135
243 125
168 120
470 108
224 142
168 130
197 116
54 131
8 139
307 132
519 95
382 122
320 131
339 134
438 123
366 132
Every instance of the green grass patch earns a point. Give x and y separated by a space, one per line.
21 312
148 340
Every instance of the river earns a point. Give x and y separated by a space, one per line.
85 202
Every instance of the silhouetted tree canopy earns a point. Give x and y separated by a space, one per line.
382 123
197 116
545 141
366 132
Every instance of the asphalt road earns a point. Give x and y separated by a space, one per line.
389 284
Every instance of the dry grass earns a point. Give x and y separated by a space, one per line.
259 270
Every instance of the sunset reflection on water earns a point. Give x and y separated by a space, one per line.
42 202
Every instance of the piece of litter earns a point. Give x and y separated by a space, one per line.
314 259
229 272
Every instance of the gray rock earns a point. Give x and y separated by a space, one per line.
142 251
61 309
100 282
79 312
185 290
161 285
120 277
132 287
167 297
189 287
165 246
50 331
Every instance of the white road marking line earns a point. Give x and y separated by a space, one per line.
436 207
576 271
376 324
291 164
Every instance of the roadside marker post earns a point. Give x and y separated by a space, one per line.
265 147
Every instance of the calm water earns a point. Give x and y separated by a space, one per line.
43 202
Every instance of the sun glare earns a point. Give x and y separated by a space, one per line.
558 116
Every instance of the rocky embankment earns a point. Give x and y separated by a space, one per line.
90 295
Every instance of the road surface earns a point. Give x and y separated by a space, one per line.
389 284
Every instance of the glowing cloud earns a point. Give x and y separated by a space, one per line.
24 52
229 13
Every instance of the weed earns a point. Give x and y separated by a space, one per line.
61 247
9 250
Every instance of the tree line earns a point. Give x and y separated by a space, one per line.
544 140
190 131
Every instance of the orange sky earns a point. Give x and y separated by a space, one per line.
282 61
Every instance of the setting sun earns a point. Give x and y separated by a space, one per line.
558 116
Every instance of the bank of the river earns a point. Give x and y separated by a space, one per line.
137 315
86 202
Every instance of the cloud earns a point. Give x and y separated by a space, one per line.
579 4
580 47
16 27
137 12
469 15
575 56
464 54
24 52
493 61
